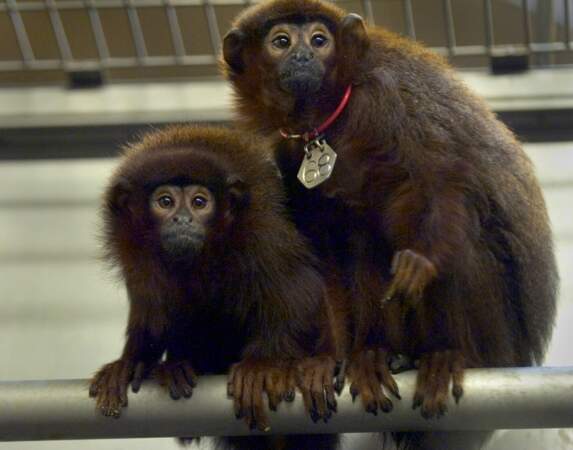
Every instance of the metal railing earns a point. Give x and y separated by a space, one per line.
493 399
180 55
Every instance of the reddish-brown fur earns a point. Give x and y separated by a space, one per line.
252 295
424 171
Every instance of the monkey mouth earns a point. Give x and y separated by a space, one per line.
300 82
182 245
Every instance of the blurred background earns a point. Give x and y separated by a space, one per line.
78 78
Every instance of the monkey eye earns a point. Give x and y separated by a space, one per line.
318 40
166 201
199 202
282 41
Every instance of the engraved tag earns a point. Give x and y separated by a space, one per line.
318 163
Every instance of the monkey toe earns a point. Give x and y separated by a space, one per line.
316 378
370 376
432 385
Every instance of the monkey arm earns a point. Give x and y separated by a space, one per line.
280 354
144 346
428 226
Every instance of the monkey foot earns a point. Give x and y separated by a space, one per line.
109 385
316 381
249 379
369 374
434 375
177 376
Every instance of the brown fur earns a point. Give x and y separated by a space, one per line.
423 166
253 294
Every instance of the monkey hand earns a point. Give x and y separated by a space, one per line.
412 272
316 380
177 376
369 375
109 385
249 379
434 375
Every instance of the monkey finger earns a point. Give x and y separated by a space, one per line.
138 375
391 293
340 377
237 389
189 373
259 413
274 386
185 389
395 262
384 375
94 389
317 394
421 381
458 377
290 391
231 381
305 387
246 399
328 387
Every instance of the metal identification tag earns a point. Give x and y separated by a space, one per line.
318 163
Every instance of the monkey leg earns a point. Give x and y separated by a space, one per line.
109 385
177 376
434 375
315 379
412 272
369 374
249 379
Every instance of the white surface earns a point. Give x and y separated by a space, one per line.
211 100
62 315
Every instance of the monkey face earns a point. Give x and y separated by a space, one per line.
183 215
300 54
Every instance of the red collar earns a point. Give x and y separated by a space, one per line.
310 135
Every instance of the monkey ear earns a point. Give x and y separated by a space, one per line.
233 44
118 196
239 196
353 37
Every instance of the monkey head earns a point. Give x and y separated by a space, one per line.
183 215
292 49
301 54
176 195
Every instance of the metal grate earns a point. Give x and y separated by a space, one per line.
450 37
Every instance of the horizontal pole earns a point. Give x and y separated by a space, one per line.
211 59
493 399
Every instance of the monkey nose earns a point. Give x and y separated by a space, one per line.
181 219
303 56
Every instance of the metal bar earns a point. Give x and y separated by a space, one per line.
526 23
567 12
136 31
97 30
368 12
488 20
212 25
202 60
110 63
409 18
101 4
493 399
545 29
59 32
175 29
20 30
450 27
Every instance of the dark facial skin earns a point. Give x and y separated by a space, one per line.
301 53
183 215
